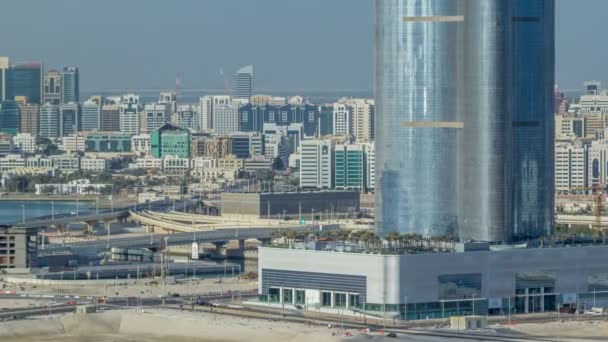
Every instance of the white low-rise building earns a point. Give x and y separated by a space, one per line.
66 163
25 142
94 164
73 143
11 162
140 144
76 187
149 163
39 162
176 165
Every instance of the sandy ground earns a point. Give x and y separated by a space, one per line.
160 325
565 330
143 288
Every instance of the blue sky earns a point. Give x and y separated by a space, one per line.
295 45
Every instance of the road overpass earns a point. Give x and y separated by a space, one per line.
177 239
106 217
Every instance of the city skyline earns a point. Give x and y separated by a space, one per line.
319 65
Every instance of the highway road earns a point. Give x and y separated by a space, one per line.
107 214
177 239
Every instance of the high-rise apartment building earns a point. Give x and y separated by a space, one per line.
571 167
226 117
52 87
170 99
25 80
4 66
110 118
129 114
464 150
49 121
156 115
70 120
30 114
10 117
207 105
91 116
187 116
342 119
316 164
244 83
362 119
70 85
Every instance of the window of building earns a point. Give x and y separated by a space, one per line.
287 295
340 300
300 297
326 299
354 300
274 295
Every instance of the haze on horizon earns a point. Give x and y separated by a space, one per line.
295 45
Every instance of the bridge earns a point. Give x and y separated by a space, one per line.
152 241
105 217
185 222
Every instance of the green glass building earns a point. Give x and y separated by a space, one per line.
170 140
349 167
10 117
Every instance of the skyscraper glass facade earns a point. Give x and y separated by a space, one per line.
533 121
484 178
416 97
25 80
70 84
70 119
10 117
464 118
49 120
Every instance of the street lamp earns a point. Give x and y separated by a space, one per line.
22 214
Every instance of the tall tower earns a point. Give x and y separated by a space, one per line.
464 124
244 83
417 54
70 84
25 79
485 179
4 66
533 117
52 87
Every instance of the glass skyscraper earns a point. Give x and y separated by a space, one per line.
417 54
10 117
464 118
533 120
25 80
70 85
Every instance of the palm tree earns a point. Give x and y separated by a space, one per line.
392 239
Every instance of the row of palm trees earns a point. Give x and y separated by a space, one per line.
369 239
